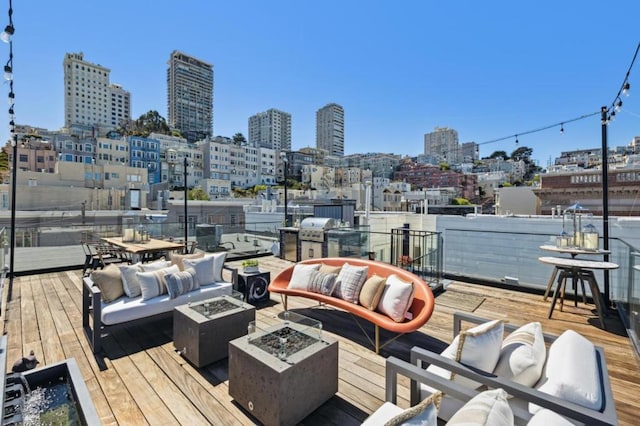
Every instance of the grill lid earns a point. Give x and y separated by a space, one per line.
319 223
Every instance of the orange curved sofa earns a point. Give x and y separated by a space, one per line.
421 308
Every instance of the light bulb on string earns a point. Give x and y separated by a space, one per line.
618 106
8 73
516 139
562 128
625 88
7 33
612 116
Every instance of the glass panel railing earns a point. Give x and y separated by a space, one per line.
512 257
51 245
633 305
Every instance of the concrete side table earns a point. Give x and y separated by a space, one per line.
282 392
202 334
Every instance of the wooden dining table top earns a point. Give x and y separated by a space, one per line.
142 247
573 250
565 262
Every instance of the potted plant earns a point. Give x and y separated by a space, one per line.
250 266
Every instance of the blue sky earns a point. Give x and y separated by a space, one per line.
487 69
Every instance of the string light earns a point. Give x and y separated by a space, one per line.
7 37
609 113
617 103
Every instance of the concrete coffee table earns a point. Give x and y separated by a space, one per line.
202 330
282 373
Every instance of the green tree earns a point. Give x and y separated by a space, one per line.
148 122
4 161
444 166
460 202
152 121
239 139
198 193
498 154
522 153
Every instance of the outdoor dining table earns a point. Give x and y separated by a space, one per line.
138 249
573 251
578 269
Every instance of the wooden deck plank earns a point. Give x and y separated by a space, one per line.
142 392
30 332
51 345
212 383
141 380
12 316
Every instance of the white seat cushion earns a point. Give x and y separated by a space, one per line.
383 414
127 309
571 372
547 417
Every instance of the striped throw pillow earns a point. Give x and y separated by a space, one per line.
322 283
181 282
153 283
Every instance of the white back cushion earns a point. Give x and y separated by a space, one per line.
522 355
208 269
477 347
396 298
302 275
487 408
571 372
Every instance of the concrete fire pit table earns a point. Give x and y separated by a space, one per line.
282 373
202 330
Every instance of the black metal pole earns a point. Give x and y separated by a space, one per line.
605 201
12 244
186 217
286 176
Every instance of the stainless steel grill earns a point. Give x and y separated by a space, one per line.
313 228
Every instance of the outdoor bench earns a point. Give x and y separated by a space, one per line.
419 312
100 317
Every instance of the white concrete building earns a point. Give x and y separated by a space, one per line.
330 129
120 110
190 96
90 101
442 144
270 129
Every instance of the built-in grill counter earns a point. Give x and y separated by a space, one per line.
289 244
312 236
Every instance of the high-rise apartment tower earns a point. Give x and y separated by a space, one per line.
190 96
330 129
90 101
270 129
442 145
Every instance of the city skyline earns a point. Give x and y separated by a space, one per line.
486 70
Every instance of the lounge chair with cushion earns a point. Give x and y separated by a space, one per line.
569 378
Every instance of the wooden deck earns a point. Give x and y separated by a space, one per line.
140 379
